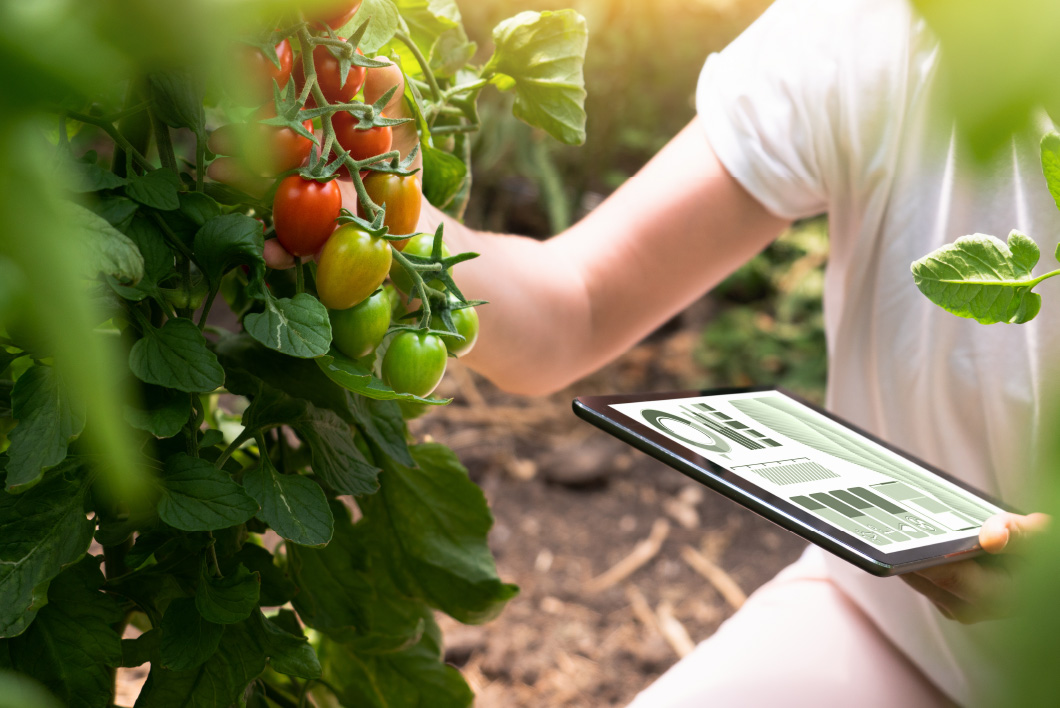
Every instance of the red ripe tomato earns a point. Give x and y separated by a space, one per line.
304 213
403 198
361 144
334 13
328 78
259 71
265 149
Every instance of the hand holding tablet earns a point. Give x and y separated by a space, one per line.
807 471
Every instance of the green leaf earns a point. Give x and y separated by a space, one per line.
540 55
276 585
443 176
297 326
196 496
226 241
288 653
118 211
199 208
354 376
44 530
1050 150
293 506
982 278
188 638
159 189
270 407
435 521
340 593
89 177
436 27
164 413
158 258
101 247
221 681
178 101
336 459
248 363
384 426
229 599
49 419
136 652
416 676
176 356
72 647
384 23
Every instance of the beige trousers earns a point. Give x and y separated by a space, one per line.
798 641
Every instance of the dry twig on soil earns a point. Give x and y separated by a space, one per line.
643 552
722 581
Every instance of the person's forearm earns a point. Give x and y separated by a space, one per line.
564 307
537 323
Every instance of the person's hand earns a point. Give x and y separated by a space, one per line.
980 589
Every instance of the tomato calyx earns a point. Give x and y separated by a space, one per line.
397 166
435 267
267 43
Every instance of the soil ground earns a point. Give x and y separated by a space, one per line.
572 503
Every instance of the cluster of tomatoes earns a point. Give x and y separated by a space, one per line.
352 261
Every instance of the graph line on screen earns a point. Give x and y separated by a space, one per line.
795 471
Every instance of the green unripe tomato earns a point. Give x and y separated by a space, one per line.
357 331
465 320
414 363
419 245
397 302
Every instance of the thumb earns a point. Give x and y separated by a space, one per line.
1009 532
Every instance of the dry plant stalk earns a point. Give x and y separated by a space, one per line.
643 552
722 581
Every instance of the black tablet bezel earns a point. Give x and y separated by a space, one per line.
597 410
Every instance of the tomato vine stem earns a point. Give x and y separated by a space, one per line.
116 136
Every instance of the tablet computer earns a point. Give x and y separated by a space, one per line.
806 470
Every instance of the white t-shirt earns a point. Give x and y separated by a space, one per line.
834 106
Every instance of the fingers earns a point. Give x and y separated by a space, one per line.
949 605
1009 532
276 256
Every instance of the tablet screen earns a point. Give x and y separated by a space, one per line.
792 451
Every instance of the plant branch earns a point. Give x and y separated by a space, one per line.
436 92
116 136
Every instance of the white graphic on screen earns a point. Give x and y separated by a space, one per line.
834 473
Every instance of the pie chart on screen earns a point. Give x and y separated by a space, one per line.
686 431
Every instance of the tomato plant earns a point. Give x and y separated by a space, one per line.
266 150
415 363
358 330
304 213
336 87
465 323
353 264
361 144
179 396
402 196
418 246
260 71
